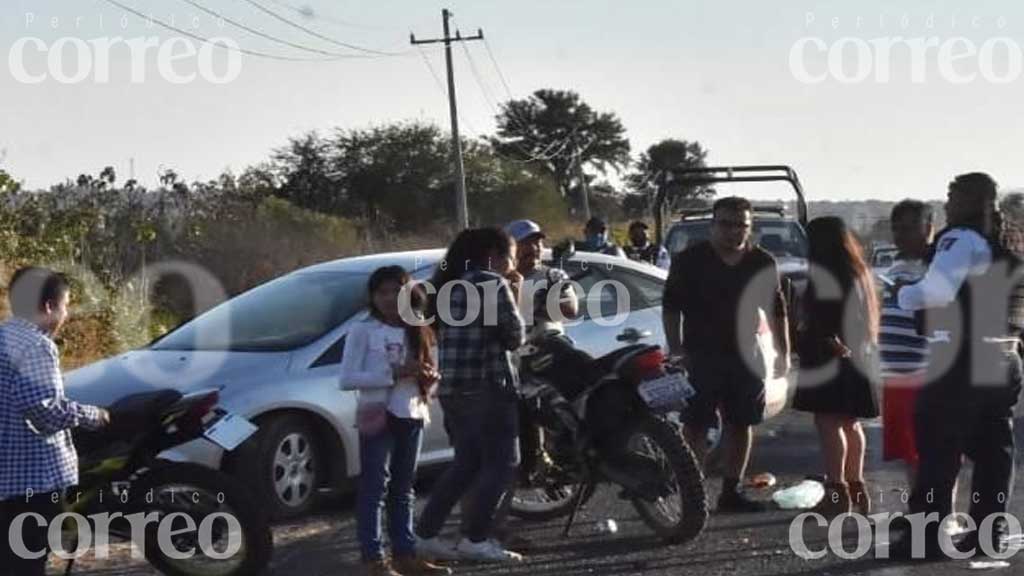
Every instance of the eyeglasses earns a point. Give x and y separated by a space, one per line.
732 224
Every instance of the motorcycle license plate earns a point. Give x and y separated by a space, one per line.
667 392
228 430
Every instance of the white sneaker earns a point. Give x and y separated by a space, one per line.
486 551
953 527
435 549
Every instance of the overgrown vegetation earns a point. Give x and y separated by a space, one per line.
319 197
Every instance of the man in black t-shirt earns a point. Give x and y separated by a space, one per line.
716 290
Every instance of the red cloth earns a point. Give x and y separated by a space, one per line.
898 418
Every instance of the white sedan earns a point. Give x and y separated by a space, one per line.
274 352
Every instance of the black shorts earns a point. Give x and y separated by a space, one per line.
729 385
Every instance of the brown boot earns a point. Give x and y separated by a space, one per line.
860 499
836 501
412 566
379 568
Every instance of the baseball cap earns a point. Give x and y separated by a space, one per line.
596 223
522 229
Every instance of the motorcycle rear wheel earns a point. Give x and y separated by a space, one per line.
546 498
539 504
199 492
679 515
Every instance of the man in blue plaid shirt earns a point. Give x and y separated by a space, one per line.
37 458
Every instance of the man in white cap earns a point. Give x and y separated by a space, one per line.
538 280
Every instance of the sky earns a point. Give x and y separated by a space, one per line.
721 73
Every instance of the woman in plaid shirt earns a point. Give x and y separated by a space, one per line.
479 327
37 459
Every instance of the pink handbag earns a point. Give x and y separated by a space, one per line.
372 419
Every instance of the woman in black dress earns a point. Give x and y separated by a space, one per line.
839 360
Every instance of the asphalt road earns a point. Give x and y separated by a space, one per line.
749 545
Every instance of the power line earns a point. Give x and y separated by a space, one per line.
547 153
441 88
262 34
241 50
308 12
489 100
544 155
501 75
488 97
514 119
316 34
464 120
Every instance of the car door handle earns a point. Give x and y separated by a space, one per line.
633 335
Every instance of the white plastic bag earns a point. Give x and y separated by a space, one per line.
804 495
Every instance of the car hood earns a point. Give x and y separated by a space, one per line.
103 382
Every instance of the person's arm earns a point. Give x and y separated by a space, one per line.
957 254
778 319
511 328
355 374
39 396
672 306
779 315
568 303
672 322
663 260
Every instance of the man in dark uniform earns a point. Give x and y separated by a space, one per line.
966 408
641 249
595 239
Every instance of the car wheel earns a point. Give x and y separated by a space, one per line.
283 464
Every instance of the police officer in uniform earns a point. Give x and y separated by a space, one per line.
641 249
966 407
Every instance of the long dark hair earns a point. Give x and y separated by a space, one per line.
834 248
420 339
471 250
987 220
983 190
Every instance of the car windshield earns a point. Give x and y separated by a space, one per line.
280 315
784 239
884 258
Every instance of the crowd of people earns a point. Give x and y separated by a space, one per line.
857 342
938 343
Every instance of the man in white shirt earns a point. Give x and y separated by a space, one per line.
974 377
538 280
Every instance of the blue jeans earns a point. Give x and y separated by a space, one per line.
484 430
388 462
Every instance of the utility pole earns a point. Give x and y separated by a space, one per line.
584 188
460 173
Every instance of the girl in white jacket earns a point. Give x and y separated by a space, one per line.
390 363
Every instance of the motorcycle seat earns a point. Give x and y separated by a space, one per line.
129 417
609 362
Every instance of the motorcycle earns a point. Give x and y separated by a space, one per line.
613 419
123 475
